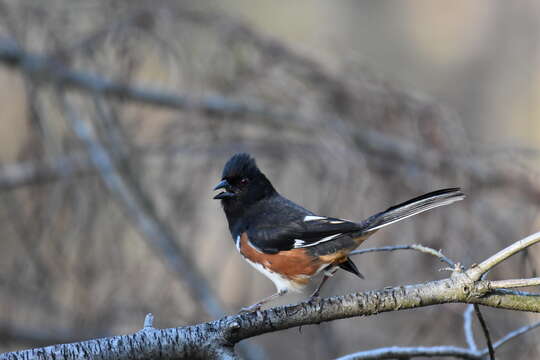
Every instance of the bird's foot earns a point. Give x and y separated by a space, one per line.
254 307
314 296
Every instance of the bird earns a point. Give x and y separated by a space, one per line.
290 244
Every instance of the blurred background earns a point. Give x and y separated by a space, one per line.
106 209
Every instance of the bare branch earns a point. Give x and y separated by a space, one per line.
516 333
513 283
516 292
208 338
477 271
467 327
485 330
398 352
508 301
435 351
216 339
416 247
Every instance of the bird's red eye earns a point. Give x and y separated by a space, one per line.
244 181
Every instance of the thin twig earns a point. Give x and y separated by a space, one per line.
485 330
416 247
435 351
467 327
400 352
515 333
514 283
515 292
477 271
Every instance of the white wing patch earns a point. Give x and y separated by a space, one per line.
302 244
328 238
323 219
313 218
298 243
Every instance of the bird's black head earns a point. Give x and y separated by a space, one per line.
244 184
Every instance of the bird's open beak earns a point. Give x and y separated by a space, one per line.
223 184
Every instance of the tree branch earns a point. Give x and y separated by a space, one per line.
209 339
415 247
516 292
485 330
399 352
467 327
513 283
512 335
477 271
435 351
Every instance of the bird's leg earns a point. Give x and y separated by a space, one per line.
258 305
316 292
327 275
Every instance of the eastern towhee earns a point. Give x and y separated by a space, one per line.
290 244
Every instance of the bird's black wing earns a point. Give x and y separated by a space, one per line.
309 231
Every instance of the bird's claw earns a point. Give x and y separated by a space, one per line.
254 307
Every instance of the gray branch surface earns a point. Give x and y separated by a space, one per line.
217 339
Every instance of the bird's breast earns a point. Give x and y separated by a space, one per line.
296 265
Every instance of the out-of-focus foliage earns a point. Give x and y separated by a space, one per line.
73 263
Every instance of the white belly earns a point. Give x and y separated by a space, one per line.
281 282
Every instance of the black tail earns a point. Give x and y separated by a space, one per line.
412 207
349 266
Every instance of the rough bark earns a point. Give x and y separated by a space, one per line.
216 339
